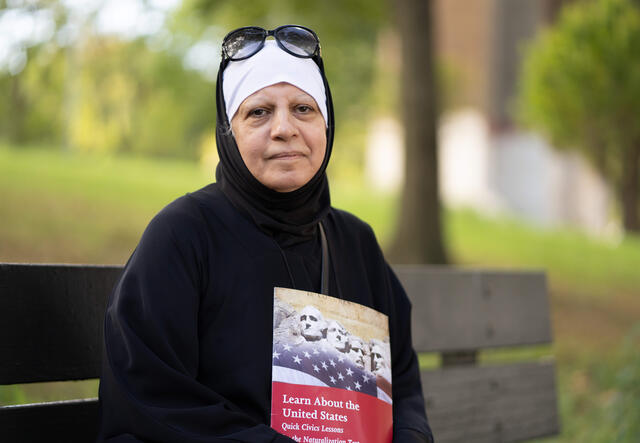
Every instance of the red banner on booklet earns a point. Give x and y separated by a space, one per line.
316 414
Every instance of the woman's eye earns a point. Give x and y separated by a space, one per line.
259 112
304 108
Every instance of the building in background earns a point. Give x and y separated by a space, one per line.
486 161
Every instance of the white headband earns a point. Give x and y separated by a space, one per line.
269 66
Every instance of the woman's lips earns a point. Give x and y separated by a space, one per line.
289 155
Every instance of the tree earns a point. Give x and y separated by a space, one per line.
129 98
91 91
581 87
418 237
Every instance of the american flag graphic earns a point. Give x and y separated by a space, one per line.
320 364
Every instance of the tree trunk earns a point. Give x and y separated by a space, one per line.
16 118
630 189
418 236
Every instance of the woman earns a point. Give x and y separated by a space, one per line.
188 329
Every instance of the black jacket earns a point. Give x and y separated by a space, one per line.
188 328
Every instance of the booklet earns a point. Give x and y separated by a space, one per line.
331 372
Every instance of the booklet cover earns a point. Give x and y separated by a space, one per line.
331 372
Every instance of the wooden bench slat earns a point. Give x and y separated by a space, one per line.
51 319
72 421
492 403
458 310
59 308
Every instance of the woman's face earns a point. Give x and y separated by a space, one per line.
281 136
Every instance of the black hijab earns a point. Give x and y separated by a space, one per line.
290 217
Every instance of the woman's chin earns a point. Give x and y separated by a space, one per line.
286 181
286 185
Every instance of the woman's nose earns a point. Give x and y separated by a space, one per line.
282 125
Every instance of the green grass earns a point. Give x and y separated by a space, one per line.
573 260
75 208
57 207
83 208
45 392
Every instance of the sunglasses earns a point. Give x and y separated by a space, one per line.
242 43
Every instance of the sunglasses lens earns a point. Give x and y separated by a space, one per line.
298 40
243 43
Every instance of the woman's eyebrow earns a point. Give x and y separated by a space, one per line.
251 103
304 98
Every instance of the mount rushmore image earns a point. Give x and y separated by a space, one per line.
309 326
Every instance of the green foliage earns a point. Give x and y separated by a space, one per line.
130 99
599 395
34 98
625 407
581 81
108 95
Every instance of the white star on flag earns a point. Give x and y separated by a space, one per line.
324 367
286 347
276 354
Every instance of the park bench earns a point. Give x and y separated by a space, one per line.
51 330
458 313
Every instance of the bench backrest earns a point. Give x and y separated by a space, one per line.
458 313
51 330
51 320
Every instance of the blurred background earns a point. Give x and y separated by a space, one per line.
108 114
